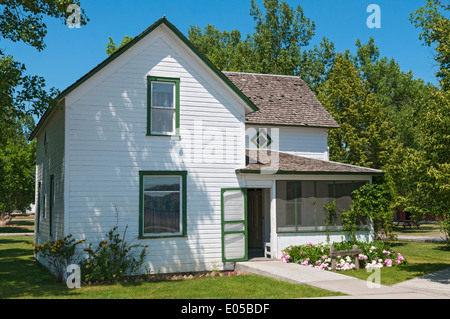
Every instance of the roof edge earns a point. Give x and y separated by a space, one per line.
256 172
120 51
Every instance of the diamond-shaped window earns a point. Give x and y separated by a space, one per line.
261 139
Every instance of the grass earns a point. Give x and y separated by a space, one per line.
19 224
428 230
423 258
22 277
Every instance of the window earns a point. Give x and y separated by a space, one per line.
163 106
300 204
162 204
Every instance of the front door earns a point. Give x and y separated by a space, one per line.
255 220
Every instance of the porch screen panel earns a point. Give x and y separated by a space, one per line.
286 206
361 222
234 225
324 195
234 245
343 198
233 205
308 210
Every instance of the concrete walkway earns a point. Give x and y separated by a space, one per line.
433 286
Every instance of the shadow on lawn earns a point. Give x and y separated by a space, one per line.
21 276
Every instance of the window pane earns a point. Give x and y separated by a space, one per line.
286 206
325 195
162 183
343 198
161 212
358 184
308 220
360 221
163 94
163 121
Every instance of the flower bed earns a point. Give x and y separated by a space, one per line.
374 255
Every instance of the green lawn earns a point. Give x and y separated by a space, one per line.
429 230
19 224
423 258
22 277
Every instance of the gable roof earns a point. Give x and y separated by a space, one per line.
123 49
286 163
282 100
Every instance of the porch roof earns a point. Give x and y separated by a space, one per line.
265 161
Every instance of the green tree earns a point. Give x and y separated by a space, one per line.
426 171
280 35
22 21
274 48
398 92
365 134
225 49
111 46
436 31
316 63
23 95
17 160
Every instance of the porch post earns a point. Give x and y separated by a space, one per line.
273 221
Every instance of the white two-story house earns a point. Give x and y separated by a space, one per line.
205 167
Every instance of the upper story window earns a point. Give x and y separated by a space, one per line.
163 116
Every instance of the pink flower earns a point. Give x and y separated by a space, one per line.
388 263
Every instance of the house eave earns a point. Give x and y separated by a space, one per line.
259 172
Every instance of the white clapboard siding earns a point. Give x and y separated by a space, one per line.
107 147
51 162
303 141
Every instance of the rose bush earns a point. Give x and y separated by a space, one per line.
374 255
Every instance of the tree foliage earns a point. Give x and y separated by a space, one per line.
436 31
17 160
111 46
275 47
23 96
364 137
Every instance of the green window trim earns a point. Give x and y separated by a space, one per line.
183 192
176 81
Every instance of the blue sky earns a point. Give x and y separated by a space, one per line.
71 53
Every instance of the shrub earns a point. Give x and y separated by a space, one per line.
58 254
444 227
112 259
374 255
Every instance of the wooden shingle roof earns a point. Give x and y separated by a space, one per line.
257 162
282 100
